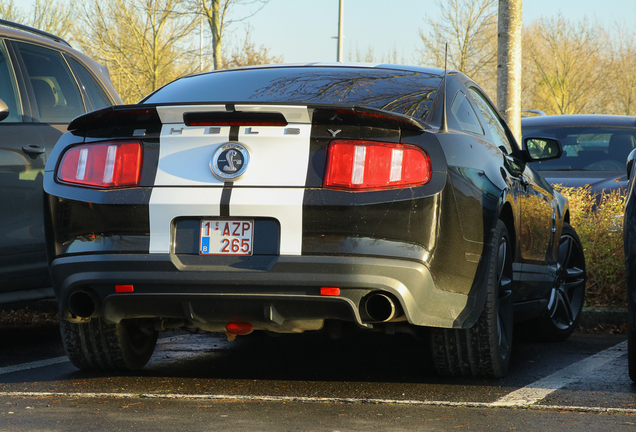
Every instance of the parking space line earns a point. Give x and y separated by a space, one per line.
32 365
57 360
538 390
289 399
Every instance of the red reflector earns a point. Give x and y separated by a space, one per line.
239 328
106 164
361 165
329 291
124 288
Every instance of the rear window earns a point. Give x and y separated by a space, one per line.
95 96
403 92
587 148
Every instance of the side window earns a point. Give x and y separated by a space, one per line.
95 96
465 115
497 130
56 93
8 88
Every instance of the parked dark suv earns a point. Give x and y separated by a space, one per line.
44 84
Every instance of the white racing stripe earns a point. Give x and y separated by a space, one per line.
276 159
285 205
538 390
185 153
272 186
169 203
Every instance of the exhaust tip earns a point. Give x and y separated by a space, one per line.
81 304
381 307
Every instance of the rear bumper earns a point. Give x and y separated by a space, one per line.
268 291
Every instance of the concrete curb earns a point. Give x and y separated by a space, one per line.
593 317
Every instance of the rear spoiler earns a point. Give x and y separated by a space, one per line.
365 116
146 115
118 115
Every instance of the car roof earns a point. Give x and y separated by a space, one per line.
308 84
579 120
407 68
23 32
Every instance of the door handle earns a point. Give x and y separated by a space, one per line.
33 150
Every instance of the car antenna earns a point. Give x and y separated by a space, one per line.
444 122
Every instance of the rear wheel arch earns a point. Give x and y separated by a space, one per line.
507 217
484 349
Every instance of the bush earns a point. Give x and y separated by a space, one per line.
598 220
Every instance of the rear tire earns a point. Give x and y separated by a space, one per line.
483 350
96 345
568 291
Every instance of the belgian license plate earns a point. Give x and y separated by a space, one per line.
226 237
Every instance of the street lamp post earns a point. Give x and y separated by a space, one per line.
340 31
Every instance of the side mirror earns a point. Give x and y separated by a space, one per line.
542 149
4 110
630 163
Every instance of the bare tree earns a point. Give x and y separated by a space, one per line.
249 54
622 72
54 17
144 43
392 57
9 12
364 57
567 61
370 56
470 28
217 15
509 64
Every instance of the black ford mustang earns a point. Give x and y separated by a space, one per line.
296 198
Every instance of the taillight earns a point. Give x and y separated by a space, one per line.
106 164
375 165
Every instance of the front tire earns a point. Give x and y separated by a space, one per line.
96 345
483 350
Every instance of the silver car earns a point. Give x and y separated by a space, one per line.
44 84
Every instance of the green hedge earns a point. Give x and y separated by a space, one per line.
598 220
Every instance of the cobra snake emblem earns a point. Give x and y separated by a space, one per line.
230 161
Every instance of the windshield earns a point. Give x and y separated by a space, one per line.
403 92
586 148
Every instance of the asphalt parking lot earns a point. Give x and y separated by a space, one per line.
309 382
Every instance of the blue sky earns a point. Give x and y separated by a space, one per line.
302 30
